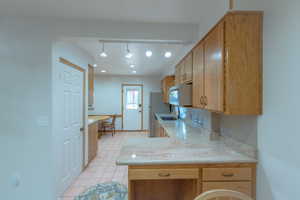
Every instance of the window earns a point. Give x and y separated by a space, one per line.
132 102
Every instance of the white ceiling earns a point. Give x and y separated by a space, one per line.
116 63
179 11
163 12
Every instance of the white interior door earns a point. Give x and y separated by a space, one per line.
69 118
132 107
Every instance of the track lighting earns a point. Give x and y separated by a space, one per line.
148 53
128 54
168 54
103 54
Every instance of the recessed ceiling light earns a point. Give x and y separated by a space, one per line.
95 65
103 71
168 54
134 72
132 66
148 53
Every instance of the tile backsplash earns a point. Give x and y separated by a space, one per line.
196 116
240 128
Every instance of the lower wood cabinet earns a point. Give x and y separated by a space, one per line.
185 182
159 130
92 141
227 174
244 187
163 174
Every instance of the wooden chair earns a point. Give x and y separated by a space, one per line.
222 194
110 125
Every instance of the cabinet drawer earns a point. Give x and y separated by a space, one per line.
244 187
156 174
227 174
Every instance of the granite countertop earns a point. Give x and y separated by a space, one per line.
95 118
185 145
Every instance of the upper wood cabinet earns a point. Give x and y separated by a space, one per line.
91 86
198 76
213 73
177 75
166 83
227 66
184 70
188 67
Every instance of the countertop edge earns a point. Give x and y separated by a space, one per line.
129 163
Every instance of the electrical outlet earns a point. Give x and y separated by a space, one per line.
16 180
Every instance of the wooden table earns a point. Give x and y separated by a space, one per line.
99 117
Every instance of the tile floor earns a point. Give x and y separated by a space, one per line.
103 168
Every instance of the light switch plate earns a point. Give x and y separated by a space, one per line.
43 121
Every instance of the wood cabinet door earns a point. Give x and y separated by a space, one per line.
214 75
93 141
177 75
91 85
163 91
198 75
166 83
188 67
243 187
182 72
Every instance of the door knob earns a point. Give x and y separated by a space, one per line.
81 129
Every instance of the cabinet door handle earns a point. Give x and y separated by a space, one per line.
164 174
205 100
228 174
201 101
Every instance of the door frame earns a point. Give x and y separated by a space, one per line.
142 102
74 66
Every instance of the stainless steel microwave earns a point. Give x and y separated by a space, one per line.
181 95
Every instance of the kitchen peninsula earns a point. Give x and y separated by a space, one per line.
186 163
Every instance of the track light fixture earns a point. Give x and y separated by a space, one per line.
103 53
128 54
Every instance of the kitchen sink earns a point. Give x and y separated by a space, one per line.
168 118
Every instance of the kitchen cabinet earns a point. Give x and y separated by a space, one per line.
159 130
166 84
92 141
213 73
227 66
198 76
184 70
91 77
177 75
188 68
186 181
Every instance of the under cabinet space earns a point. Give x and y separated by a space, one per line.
176 189
163 183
